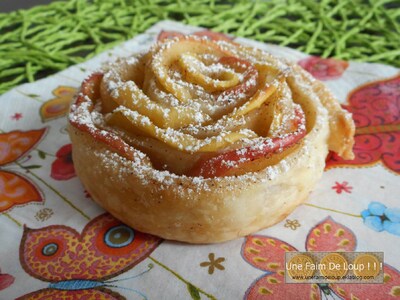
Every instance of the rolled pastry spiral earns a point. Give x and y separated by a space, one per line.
204 141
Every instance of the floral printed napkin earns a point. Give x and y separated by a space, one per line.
57 243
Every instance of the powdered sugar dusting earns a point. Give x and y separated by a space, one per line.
196 101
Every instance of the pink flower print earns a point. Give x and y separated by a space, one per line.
63 167
5 280
324 68
342 187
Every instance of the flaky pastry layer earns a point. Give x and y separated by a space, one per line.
121 173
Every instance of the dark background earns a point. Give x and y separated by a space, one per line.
10 5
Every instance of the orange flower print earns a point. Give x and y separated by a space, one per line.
58 106
15 189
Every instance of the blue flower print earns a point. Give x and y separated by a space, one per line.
380 218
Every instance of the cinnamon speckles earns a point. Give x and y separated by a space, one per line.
196 96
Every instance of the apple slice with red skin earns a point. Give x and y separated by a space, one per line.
240 66
214 36
226 163
165 35
211 35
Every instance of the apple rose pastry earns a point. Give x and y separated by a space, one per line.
204 141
